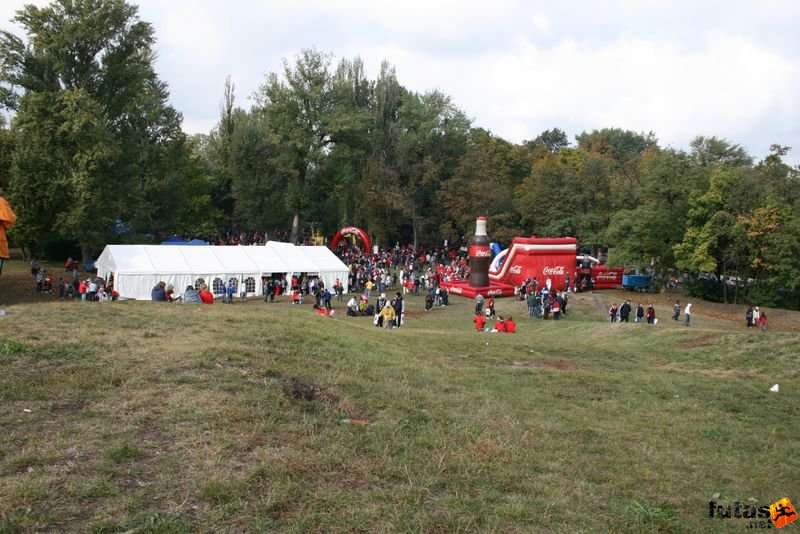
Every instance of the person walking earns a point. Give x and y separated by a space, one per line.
688 313
676 310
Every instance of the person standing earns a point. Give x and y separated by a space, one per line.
639 312
91 290
650 314
676 310
763 320
748 317
338 289
556 309
531 298
7 219
326 299
612 313
688 313
625 311
479 304
399 309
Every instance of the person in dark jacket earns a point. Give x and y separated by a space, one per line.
625 311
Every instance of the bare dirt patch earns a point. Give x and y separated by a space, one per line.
303 389
705 340
559 365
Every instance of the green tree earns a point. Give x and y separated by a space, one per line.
483 184
644 234
430 138
100 140
715 239
298 108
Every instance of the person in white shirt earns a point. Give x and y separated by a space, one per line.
688 313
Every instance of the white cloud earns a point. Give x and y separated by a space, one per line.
680 68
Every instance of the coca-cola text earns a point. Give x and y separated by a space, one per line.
553 271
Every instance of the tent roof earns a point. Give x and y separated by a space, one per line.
295 257
276 257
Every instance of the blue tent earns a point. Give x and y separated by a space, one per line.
197 242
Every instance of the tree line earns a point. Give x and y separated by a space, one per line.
95 154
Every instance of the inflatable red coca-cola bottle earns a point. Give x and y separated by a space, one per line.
480 255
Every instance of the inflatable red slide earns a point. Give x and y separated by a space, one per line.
540 257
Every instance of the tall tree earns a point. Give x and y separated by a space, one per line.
298 108
93 117
430 135
483 184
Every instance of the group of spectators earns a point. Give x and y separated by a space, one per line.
403 267
505 326
756 318
72 286
647 315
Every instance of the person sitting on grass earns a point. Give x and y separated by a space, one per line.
191 296
510 325
206 296
499 325
159 292
480 322
170 292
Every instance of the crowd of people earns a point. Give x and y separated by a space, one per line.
406 269
72 286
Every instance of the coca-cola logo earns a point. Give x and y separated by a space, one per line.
558 270
495 292
481 253
456 290
515 269
350 230
607 276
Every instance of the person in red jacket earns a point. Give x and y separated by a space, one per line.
499 325
511 326
480 322
205 295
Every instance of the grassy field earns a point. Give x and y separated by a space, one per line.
144 417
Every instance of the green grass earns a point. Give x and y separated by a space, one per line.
142 417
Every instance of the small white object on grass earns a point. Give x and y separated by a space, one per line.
26 410
775 388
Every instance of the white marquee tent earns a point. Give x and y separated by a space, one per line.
138 268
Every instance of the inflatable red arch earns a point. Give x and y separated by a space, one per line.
352 230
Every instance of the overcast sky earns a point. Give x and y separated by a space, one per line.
676 68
